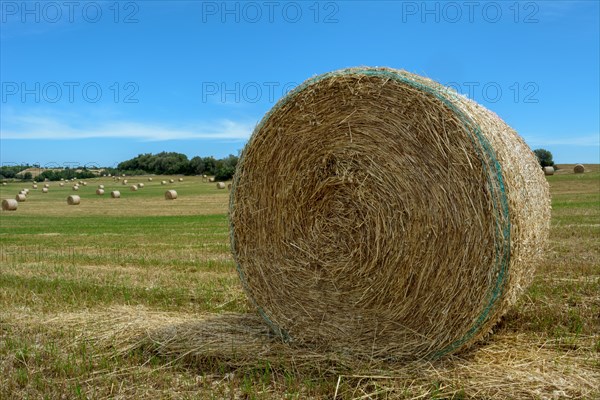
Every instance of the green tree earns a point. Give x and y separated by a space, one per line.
544 157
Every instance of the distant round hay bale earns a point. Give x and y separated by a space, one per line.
4 183
124 181
211 179
100 186
9 205
149 179
75 188
62 179
109 175
171 180
118 178
180 179
34 186
73 200
123 175
140 185
115 194
579 169
377 213
133 188
61 184
25 190
220 185
163 182
84 183
229 186
549 170
20 197
45 190
46 185
100 192
170 195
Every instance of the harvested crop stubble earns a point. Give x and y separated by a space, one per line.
73 200
170 195
10 205
378 213
579 169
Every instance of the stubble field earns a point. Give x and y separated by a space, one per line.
138 297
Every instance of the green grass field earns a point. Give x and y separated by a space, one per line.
97 301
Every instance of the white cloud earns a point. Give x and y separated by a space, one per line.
584 140
52 128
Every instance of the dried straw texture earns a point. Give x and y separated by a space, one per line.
20 197
378 213
220 185
170 195
73 200
9 205
115 194
548 170
579 169
99 192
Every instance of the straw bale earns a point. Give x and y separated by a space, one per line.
378 213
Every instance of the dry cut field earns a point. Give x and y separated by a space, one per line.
138 297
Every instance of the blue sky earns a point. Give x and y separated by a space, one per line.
100 82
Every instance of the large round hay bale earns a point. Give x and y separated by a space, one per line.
149 179
124 181
549 170
61 184
84 183
73 200
20 197
115 194
46 185
45 190
34 186
133 188
378 213
140 185
220 185
180 179
100 186
4 183
163 182
170 195
10 205
100 192
579 169
211 179
26 191
75 188
171 180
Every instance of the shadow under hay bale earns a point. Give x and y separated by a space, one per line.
396 218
